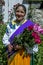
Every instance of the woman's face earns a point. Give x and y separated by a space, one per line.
20 13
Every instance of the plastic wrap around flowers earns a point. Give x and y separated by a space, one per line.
29 37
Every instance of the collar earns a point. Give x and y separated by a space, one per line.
22 22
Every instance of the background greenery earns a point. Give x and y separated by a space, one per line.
3 57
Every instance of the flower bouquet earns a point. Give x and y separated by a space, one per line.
27 39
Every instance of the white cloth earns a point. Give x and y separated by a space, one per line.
7 35
35 48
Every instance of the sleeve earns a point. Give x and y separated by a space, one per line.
35 48
5 39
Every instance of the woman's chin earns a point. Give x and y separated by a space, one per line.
19 19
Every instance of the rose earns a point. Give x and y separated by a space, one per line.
38 41
30 28
36 37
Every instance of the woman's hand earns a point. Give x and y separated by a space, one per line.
10 47
17 47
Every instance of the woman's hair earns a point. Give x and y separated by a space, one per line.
22 6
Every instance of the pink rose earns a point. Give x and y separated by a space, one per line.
37 28
35 35
38 41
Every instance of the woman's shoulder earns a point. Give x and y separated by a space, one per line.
30 21
13 22
11 25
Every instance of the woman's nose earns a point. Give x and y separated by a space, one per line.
19 13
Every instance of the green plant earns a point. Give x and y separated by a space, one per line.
3 57
1 17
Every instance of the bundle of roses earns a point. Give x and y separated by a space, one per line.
29 37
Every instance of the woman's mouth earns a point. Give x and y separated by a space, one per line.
19 16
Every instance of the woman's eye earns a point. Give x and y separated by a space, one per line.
22 12
17 11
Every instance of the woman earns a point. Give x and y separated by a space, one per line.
11 27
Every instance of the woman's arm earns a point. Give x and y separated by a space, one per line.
5 39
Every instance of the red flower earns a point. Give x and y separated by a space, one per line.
38 41
30 28
36 37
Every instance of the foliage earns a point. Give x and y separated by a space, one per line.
1 17
3 58
38 57
25 40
